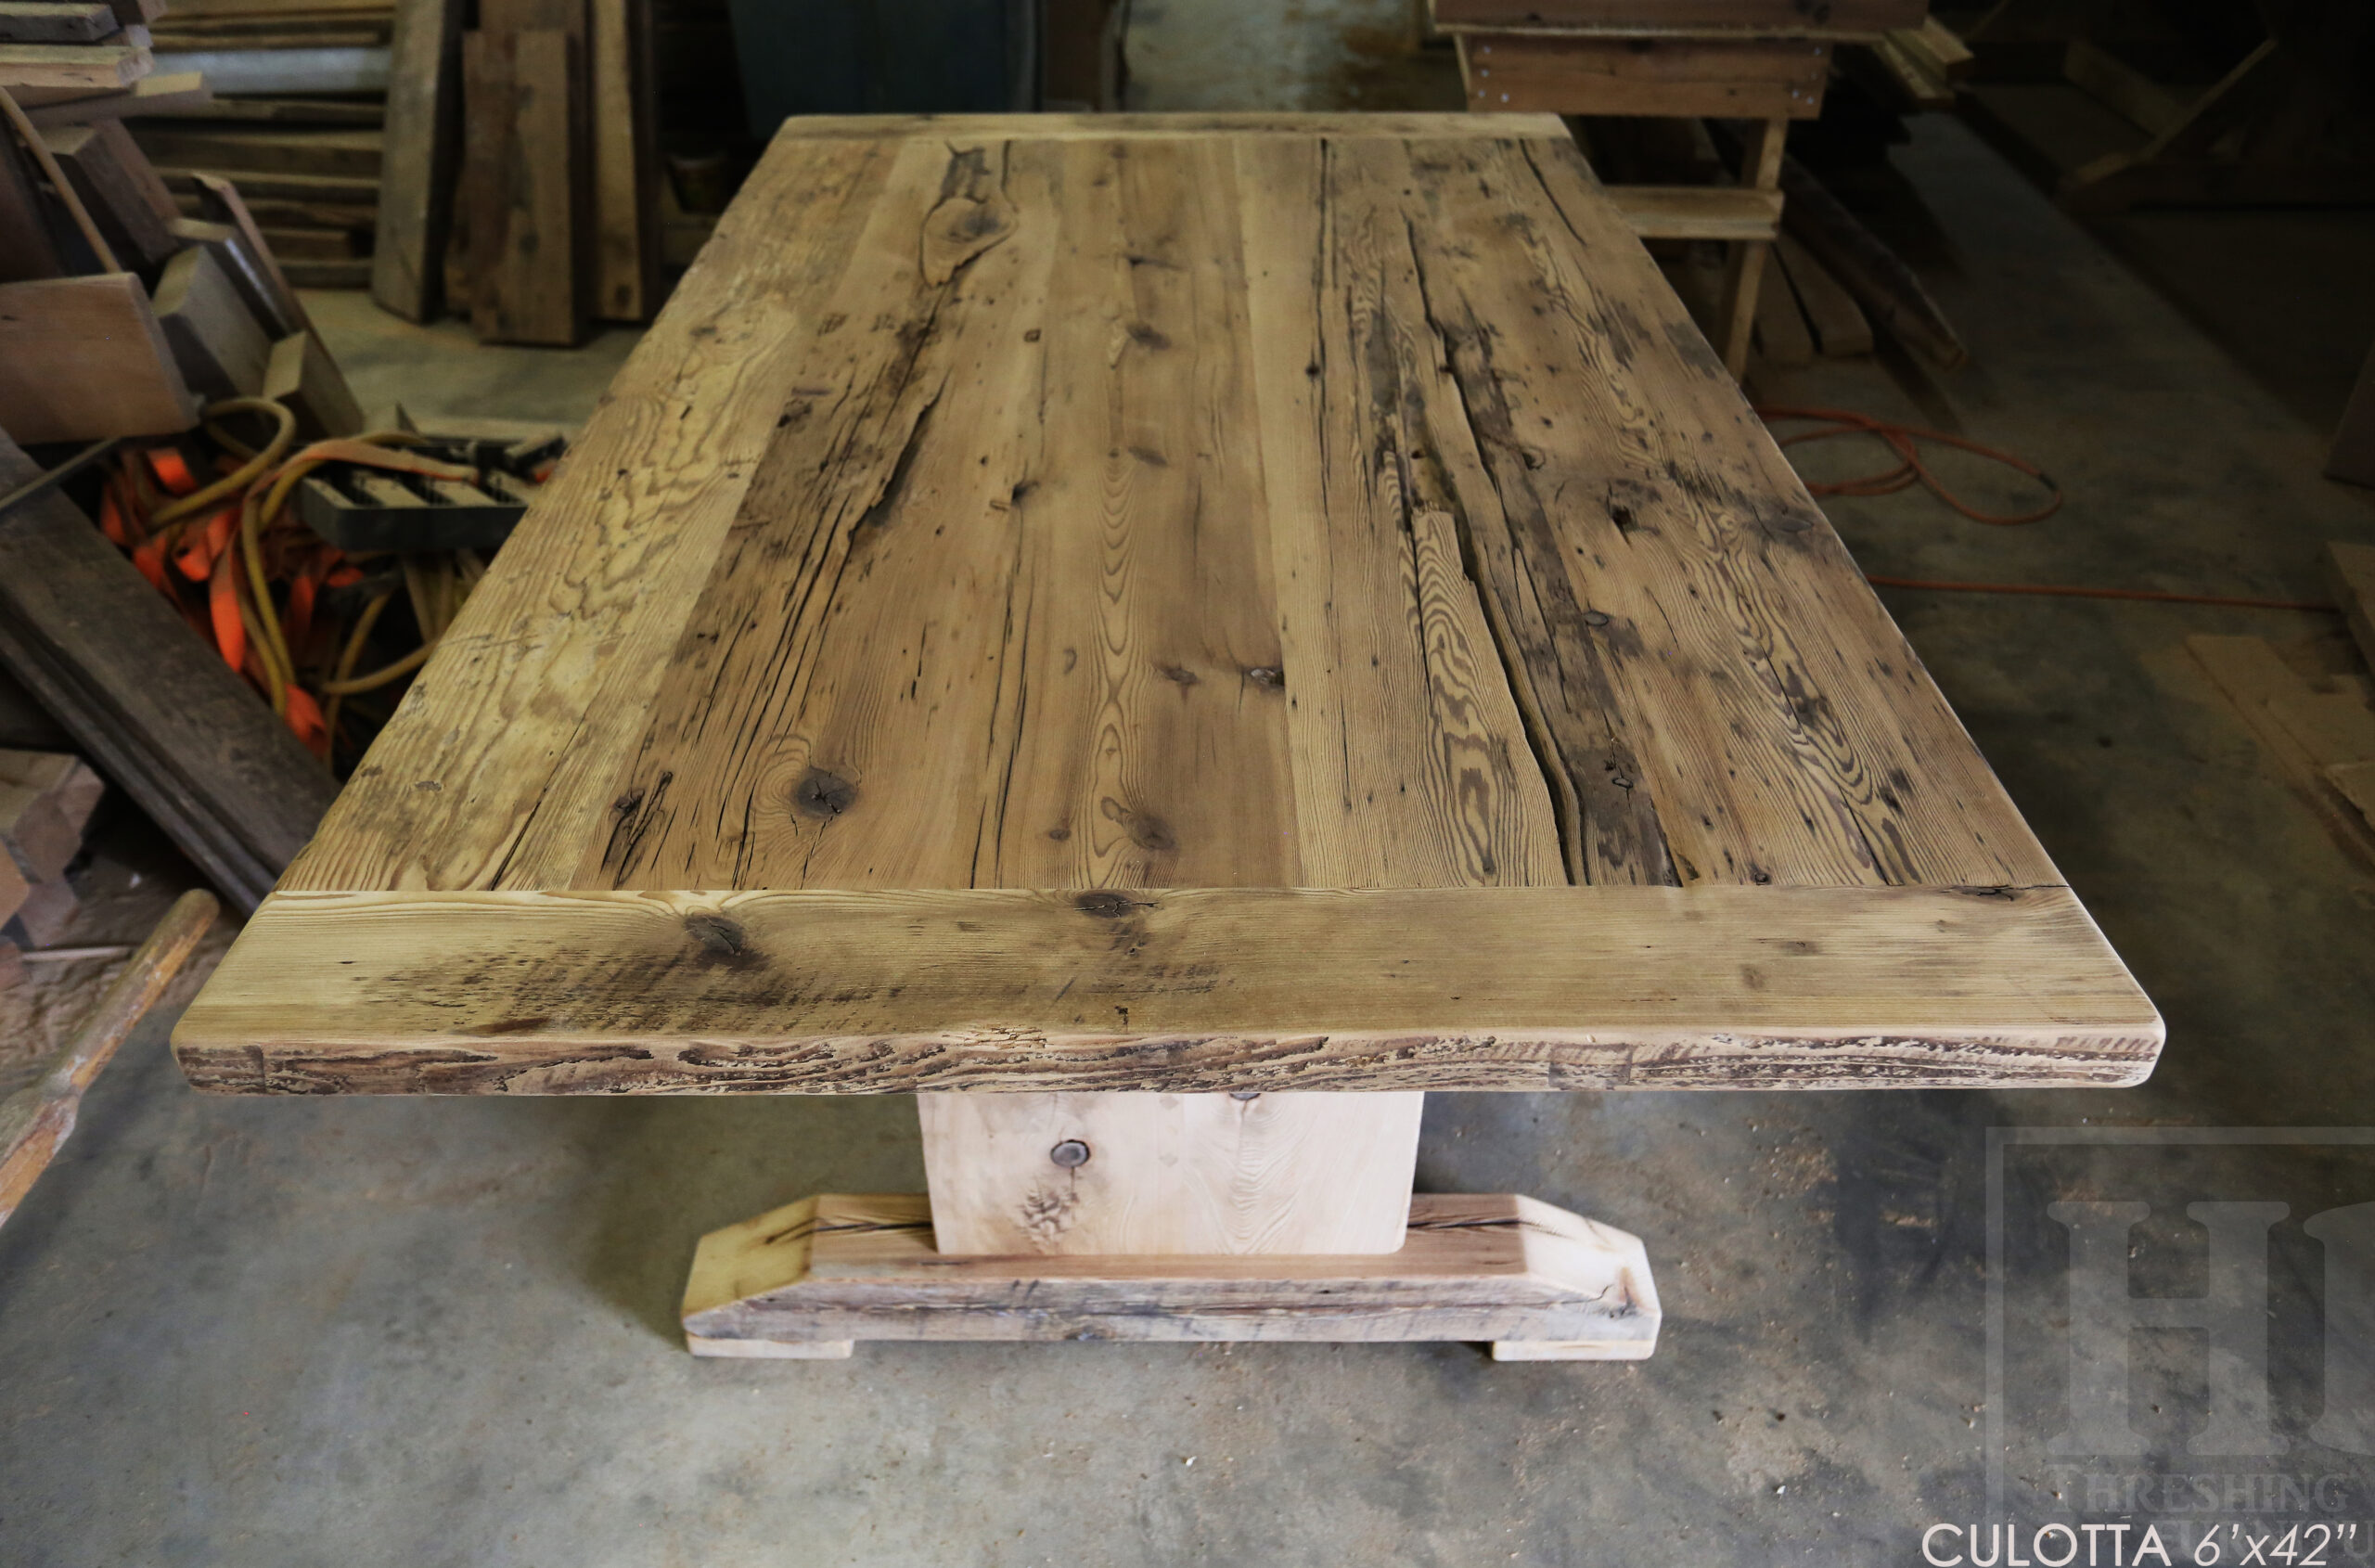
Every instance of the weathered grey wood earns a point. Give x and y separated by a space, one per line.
55 22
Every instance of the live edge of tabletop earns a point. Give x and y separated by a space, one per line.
1182 604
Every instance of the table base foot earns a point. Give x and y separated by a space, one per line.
812 1278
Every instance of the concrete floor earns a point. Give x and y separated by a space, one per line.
419 1332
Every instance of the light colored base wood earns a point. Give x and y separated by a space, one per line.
817 1274
1140 1174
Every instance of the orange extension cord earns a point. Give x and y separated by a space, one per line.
1905 441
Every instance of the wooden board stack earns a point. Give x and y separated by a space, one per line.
559 217
296 120
127 326
46 801
2311 703
50 51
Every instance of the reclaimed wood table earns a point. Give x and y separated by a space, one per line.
1166 638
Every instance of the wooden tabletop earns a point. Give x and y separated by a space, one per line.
1334 521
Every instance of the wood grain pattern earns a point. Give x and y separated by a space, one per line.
1217 989
1233 503
829 1270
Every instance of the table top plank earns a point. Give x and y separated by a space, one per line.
503 758
1411 762
1775 719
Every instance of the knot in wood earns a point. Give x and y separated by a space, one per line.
823 795
1107 906
1071 1154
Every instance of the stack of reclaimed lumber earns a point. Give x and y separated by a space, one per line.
543 112
51 51
299 99
125 307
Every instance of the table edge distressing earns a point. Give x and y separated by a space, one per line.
1704 987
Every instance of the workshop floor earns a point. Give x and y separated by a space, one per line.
422 1333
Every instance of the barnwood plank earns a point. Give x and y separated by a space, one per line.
626 160
45 798
256 271
809 1279
525 108
245 266
182 734
72 69
223 350
27 248
1839 322
302 374
55 22
1755 79
35 1121
1213 989
1699 212
130 204
1824 754
554 661
83 358
2254 679
1411 764
1782 332
167 93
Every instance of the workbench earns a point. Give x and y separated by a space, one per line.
1761 62
1167 637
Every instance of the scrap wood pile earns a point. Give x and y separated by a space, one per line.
2311 701
225 613
250 571
300 92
